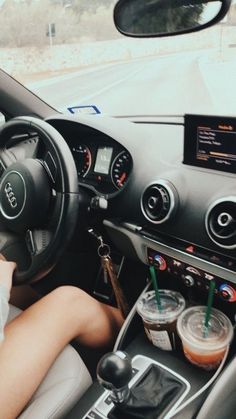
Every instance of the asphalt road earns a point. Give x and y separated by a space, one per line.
166 85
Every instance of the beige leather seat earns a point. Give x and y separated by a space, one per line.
66 381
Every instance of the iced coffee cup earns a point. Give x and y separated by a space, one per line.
204 348
160 324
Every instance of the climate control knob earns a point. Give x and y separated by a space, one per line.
228 293
160 263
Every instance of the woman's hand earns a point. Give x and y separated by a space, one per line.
6 272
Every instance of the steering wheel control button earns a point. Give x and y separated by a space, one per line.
12 195
50 166
24 195
228 293
2 168
158 201
30 242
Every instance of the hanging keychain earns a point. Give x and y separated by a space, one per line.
108 269
109 273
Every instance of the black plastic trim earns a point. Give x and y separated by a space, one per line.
222 13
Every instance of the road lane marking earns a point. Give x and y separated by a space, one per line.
106 88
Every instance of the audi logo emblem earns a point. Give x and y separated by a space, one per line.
10 195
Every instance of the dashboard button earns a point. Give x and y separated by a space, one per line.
193 270
208 276
188 281
177 263
190 249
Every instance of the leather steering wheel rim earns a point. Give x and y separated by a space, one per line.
39 197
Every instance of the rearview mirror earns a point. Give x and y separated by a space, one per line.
155 18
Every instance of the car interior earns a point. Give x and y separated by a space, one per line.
152 197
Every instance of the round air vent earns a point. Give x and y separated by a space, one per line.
221 222
158 201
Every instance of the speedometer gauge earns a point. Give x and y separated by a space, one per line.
83 159
121 168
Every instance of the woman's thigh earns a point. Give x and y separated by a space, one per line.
35 338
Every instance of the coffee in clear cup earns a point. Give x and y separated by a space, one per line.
160 324
204 348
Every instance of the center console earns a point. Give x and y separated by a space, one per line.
153 390
171 369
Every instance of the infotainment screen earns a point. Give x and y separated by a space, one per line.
210 141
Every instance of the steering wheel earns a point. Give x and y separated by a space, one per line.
38 196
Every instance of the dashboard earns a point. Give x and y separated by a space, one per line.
165 191
169 196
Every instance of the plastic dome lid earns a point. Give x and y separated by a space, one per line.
172 304
191 328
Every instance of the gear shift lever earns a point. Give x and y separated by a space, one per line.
153 394
114 371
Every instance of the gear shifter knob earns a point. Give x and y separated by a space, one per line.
114 371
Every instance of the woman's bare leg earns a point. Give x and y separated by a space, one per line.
35 338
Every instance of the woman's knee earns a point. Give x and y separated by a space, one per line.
74 301
81 315
68 294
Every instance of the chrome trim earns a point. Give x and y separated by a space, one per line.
112 166
173 199
141 242
128 320
10 195
141 363
224 223
214 204
203 264
23 205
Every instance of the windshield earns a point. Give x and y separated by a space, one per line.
69 53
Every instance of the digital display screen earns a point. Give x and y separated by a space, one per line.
103 160
210 141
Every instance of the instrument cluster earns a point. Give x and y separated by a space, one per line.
101 165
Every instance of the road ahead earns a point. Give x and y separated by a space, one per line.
166 85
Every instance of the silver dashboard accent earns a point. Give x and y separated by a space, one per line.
173 200
128 320
224 219
11 197
140 243
223 223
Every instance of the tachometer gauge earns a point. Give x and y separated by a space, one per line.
121 168
83 159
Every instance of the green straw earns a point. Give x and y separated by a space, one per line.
155 286
209 306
